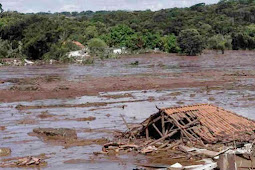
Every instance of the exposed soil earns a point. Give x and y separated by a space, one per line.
95 85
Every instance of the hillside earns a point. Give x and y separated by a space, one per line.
226 25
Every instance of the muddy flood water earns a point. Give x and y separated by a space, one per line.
119 88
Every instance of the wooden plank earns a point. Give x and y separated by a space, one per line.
147 133
172 145
153 121
163 138
182 130
163 145
163 124
128 126
155 127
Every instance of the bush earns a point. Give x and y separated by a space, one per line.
190 42
97 47
59 51
97 43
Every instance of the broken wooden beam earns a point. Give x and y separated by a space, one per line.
163 138
132 134
155 127
147 133
163 123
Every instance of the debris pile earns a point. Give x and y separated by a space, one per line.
64 137
23 162
58 132
195 132
205 124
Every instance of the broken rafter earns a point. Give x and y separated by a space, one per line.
184 132
147 133
163 138
155 127
153 121
132 134
163 123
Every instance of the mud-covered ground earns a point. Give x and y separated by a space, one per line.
91 98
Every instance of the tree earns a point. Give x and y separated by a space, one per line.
220 42
190 42
91 32
135 42
119 35
151 40
244 39
169 44
1 8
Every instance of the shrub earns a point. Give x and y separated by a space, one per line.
97 47
97 43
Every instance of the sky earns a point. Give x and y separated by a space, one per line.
28 6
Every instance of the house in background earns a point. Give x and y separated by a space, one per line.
80 55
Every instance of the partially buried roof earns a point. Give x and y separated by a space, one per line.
204 122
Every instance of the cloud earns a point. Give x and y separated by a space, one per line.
70 7
95 5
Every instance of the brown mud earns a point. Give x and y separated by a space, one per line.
156 71
69 96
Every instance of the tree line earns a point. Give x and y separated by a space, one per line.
229 24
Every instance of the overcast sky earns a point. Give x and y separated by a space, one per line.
95 5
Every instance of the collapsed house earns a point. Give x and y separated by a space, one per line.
203 123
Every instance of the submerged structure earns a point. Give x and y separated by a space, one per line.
203 123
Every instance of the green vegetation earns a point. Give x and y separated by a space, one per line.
226 25
219 42
1 8
190 42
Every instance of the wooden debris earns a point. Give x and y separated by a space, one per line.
210 154
23 162
127 126
148 149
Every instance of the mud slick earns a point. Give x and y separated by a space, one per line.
64 137
100 116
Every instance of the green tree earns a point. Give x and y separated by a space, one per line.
244 39
190 42
5 47
1 8
169 44
119 35
151 40
91 32
219 42
135 42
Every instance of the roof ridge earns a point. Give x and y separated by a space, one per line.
197 105
178 107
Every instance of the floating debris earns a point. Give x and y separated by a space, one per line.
28 161
5 151
58 132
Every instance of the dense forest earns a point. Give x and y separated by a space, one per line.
229 24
